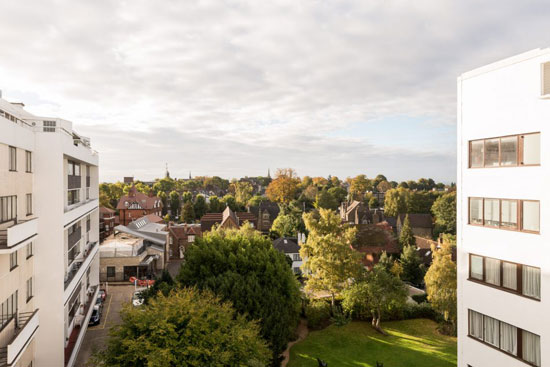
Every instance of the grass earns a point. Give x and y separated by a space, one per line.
409 343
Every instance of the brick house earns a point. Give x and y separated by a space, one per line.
228 219
180 237
421 224
136 204
106 222
372 240
266 213
355 212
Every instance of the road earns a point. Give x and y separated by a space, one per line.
96 336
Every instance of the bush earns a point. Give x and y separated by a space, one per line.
317 314
419 298
421 311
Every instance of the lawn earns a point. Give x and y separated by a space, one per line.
409 343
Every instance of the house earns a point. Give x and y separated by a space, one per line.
355 212
426 248
374 239
180 237
151 231
421 224
227 219
136 204
291 248
124 255
266 213
106 222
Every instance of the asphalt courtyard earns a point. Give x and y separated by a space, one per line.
96 336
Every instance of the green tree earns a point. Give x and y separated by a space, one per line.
187 196
406 237
359 186
329 259
187 328
215 205
188 213
200 206
243 192
338 192
441 282
421 201
444 210
164 199
165 185
413 271
373 203
229 200
286 225
256 200
174 203
396 202
243 267
325 200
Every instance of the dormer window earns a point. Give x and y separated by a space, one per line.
126 204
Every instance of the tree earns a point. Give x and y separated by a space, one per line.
165 284
243 267
164 199
286 225
406 237
256 200
412 266
104 200
215 205
187 328
229 200
174 203
359 186
396 202
285 186
421 201
338 192
188 213
441 282
379 292
187 196
165 185
383 186
325 200
444 210
373 203
329 260
243 192
200 206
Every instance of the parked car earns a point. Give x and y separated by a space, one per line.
103 294
99 302
95 319
137 300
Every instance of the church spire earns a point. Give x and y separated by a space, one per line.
268 173
167 173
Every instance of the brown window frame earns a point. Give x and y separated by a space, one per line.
12 155
519 276
519 153
519 338
519 226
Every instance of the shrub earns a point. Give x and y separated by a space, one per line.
420 311
419 298
317 314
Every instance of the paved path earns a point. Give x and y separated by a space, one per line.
302 333
96 336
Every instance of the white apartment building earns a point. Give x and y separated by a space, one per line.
503 209
49 233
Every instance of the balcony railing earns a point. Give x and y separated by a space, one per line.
75 338
17 232
75 266
75 236
74 182
26 324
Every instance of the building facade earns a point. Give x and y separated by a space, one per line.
49 229
136 204
503 256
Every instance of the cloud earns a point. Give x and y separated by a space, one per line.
235 87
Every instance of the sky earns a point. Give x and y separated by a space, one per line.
232 88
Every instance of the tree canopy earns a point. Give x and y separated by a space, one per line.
284 187
444 210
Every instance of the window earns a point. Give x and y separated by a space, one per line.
508 338
29 204
190 238
49 126
110 271
30 250
28 161
13 158
516 278
504 214
509 151
530 219
13 260
73 196
73 168
545 79
74 303
296 257
8 208
30 290
8 309
88 223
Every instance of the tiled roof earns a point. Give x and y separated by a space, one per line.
287 245
418 220
138 200
105 210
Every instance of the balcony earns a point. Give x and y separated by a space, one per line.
18 232
74 182
80 264
22 332
75 236
74 340
75 211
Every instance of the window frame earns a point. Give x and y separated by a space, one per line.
12 158
11 203
30 250
30 289
28 161
29 206
519 153
14 260
519 215
519 276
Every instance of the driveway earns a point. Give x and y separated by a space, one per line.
96 336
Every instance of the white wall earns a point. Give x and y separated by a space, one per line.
497 101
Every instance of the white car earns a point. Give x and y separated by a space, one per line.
137 300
